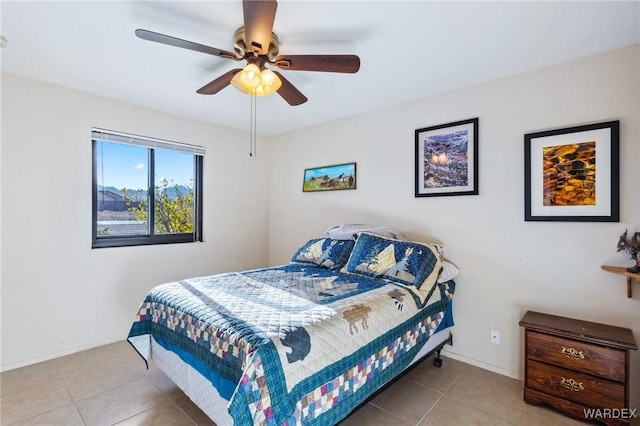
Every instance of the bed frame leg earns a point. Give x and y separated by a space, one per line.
437 361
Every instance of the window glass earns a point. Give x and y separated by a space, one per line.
174 192
123 189
130 174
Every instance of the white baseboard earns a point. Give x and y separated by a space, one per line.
53 355
481 364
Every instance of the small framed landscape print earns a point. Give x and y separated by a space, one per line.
447 159
330 178
572 174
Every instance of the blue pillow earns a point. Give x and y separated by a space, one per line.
403 262
325 252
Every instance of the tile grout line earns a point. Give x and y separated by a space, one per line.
468 404
73 399
66 388
391 414
442 395
430 409
456 379
174 402
159 389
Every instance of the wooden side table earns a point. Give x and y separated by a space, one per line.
621 270
580 368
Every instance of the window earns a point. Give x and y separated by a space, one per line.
145 191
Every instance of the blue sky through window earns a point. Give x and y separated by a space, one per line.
126 166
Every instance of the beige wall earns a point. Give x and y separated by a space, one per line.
508 266
60 296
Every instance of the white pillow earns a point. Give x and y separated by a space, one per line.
348 231
449 271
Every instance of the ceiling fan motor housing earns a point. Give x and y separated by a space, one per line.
240 45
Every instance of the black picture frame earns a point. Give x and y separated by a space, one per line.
447 159
572 174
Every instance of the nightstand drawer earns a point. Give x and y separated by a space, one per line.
579 356
573 386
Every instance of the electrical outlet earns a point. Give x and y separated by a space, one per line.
495 337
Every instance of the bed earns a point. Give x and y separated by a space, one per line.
302 343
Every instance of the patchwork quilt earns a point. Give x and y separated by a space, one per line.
294 344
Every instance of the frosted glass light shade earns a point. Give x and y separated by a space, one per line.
252 81
247 79
270 82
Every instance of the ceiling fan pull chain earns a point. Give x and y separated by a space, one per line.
255 123
252 124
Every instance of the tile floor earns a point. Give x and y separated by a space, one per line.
71 391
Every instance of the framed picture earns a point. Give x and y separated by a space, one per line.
572 174
447 159
330 178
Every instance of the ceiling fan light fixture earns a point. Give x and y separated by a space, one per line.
252 81
257 44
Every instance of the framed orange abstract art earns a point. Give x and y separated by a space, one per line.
572 174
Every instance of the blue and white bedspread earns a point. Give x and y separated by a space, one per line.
292 344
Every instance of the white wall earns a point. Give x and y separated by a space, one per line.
54 284
60 296
508 265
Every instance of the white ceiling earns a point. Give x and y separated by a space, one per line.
408 50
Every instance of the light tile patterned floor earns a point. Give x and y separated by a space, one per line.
111 386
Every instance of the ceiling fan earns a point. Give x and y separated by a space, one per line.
258 45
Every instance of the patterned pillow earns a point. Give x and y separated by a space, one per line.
403 262
325 252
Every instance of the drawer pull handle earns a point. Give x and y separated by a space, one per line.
572 353
572 384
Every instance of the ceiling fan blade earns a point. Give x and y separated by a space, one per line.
218 84
259 16
289 93
328 63
177 42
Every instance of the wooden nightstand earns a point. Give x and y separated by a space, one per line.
576 365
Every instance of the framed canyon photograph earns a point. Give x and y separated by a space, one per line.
447 159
